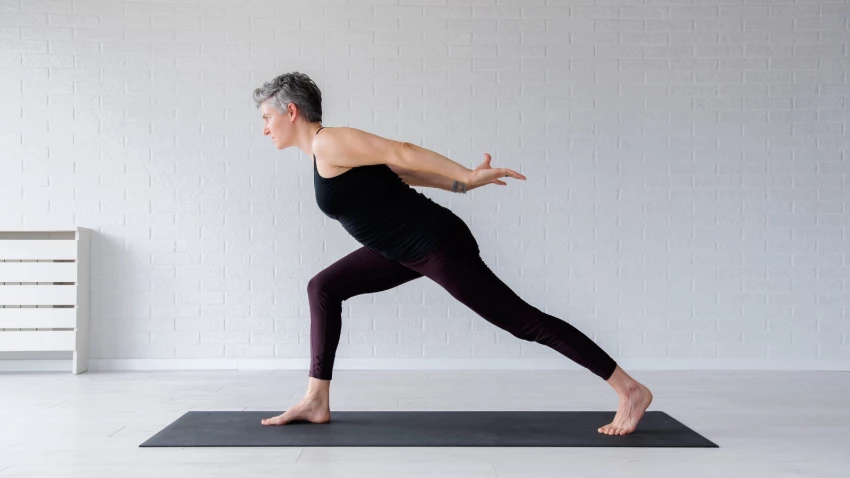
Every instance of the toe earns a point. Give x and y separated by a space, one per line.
272 421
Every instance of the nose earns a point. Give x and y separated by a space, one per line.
266 132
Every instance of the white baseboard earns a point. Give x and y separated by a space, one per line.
418 364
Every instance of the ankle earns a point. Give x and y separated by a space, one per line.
622 383
316 394
632 387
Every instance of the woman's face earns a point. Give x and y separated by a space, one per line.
276 125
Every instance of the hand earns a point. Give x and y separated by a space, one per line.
484 174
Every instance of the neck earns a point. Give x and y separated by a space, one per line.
305 141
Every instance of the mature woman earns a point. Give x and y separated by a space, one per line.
363 181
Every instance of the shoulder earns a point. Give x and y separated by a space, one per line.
328 138
352 147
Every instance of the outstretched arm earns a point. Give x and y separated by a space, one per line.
352 147
429 180
422 160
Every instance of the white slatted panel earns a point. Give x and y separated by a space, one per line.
43 249
38 294
22 341
44 292
38 272
38 318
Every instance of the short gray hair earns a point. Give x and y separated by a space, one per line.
295 88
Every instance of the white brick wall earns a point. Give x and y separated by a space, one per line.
687 160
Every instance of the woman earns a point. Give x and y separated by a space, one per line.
363 181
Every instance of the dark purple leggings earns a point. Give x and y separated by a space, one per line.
458 269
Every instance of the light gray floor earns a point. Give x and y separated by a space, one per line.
770 424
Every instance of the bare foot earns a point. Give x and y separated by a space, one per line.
632 406
313 411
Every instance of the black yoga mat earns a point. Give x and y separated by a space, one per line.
425 428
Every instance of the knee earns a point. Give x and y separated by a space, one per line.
322 289
316 286
524 333
528 330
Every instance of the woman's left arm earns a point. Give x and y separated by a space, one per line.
417 158
351 147
428 180
423 160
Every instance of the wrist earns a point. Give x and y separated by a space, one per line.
467 178
459 187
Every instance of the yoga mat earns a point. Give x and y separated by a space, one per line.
425 428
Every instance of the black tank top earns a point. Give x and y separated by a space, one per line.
382 212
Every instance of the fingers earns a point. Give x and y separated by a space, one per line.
514 174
